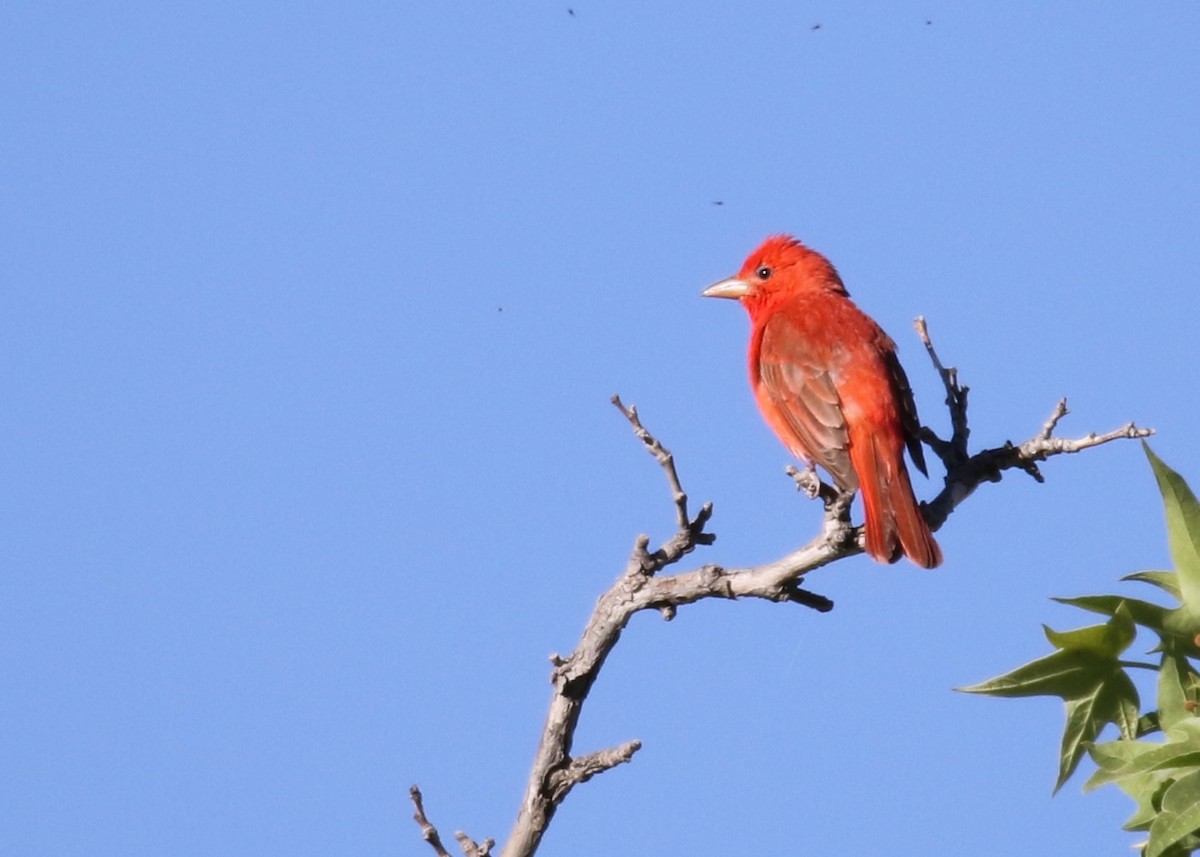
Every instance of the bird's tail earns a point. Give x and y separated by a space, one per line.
894 523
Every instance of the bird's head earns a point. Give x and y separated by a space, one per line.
780 266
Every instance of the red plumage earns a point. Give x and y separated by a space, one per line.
828 382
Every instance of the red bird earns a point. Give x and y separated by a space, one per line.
828 382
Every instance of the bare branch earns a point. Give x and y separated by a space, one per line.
990 464
470 848
555 772
428 831
663 456
965 473
1048 427
954 451
585 767
690 530
641 586
811 485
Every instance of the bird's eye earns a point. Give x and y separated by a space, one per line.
763 273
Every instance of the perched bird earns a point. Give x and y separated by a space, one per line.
828 382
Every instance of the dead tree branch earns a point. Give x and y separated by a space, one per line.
641 587
954 451
428 831
469 846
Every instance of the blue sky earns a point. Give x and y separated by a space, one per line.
309 320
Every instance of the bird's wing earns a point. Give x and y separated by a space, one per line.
908 409
801 403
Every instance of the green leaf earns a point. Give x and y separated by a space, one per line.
1114 701
1179 816
1144 613
1175 678
1067 673
1165 580
1107 640
1184 627
1118 760
1180 760
1181 750
1146 771
1080 730
1148 724
1086 674
1125 704
1085 661
1184 847
1183 529
1146 791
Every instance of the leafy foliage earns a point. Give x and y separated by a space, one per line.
1155 758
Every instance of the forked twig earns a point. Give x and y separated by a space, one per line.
428 831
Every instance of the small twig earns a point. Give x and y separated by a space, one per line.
582 769
690 531
812 485
965 472
809 599
990 464
428 831
663 456
470 848
1048 427
954 451
555 772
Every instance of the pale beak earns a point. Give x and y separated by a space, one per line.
731 288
